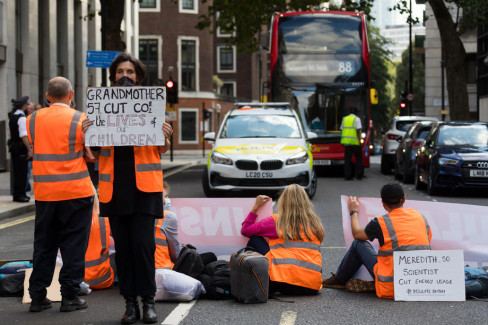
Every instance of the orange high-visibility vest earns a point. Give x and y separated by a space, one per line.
161 255
58 166
149 173
296 262
98 272
403 230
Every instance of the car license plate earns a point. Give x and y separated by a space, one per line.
259 174
478 173
322 162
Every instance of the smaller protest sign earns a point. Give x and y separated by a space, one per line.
125 116
429 275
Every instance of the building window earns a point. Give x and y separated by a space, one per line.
188 53
188 6
222 32
226 59
188 125
149 5
228 89
149 55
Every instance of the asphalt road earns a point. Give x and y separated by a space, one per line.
329 307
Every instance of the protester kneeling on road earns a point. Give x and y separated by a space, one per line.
290 240
400 229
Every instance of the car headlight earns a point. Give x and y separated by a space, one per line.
448 162
299 158
219 158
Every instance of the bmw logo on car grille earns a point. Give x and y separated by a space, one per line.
482 164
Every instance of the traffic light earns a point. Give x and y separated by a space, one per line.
206 114
171 92
403 103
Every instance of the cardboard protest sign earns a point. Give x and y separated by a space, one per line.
214 224
125 116
454 227
428 275
53 291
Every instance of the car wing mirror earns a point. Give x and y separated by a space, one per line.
210 136
399 139
311 135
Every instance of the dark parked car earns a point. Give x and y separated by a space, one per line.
406 152
453 155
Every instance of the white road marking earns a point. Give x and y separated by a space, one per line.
16 222
177 170
288 318
179 313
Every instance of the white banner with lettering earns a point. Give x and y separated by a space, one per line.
125 116
454 226
214 225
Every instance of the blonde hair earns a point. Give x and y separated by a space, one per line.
166 186
296 216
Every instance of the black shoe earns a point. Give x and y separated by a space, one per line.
132 312
22 199
348 178
38 305
149 315
72 304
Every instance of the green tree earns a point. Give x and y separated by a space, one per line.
402 76
381 113
472 13
245 19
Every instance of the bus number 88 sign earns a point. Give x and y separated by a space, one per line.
125 116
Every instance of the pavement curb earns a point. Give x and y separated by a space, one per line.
15 209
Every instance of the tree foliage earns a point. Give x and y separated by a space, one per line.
245 19
402 76
381 113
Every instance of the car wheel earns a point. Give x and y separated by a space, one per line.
206 184
418 183
397 170
385 165
313 185
405 177
431 186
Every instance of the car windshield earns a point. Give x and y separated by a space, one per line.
260 126
471 135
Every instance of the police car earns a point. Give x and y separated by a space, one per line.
260 146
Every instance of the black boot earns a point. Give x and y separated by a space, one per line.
132 312
149 315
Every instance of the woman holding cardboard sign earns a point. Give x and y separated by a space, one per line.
130 191
293 250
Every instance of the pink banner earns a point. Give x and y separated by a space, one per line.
454 226
214 224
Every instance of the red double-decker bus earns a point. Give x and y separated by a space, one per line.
320 63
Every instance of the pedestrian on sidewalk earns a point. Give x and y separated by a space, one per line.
131 196
20 149
293 236
351 140
400 229
64 198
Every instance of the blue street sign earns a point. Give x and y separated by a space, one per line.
100 59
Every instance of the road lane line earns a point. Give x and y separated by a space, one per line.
16 222
288 318
177 170
179 313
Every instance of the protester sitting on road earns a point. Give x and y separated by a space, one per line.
166 235
131 196
401 229
295 234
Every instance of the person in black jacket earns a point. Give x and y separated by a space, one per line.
20 149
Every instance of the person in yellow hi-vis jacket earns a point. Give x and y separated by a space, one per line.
351 140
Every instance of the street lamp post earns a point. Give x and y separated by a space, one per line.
410 68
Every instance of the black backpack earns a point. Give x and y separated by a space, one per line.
189 262
216 280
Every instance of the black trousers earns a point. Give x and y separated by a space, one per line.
134 254
349 151
64 225
19 172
